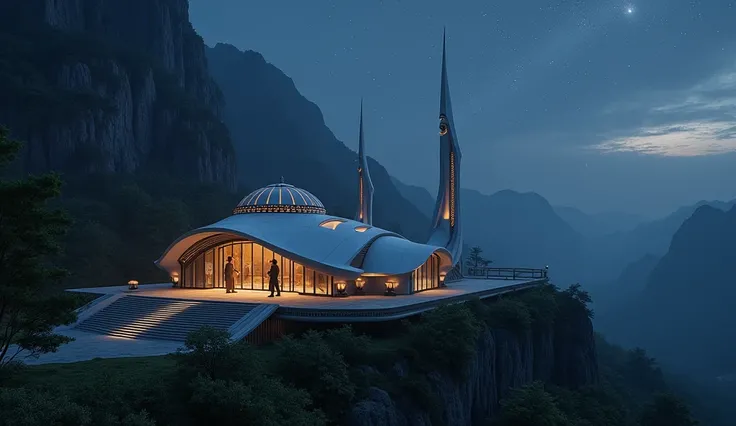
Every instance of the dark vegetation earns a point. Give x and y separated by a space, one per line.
313 378
122 224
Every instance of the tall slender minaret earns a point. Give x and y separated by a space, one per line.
446 223
365 185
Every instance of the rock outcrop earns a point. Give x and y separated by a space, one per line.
111 85
563 354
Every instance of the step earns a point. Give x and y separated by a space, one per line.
140 317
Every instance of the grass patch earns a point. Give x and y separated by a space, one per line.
60 377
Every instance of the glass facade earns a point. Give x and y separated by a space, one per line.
427 276
252 261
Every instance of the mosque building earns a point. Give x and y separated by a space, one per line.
321 254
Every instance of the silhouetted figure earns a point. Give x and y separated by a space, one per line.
230 272
273 279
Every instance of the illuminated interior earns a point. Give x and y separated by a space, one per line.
332 223
361 228
427 276
207 270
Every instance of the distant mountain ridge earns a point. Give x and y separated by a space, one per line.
278 132
514 229
684 314
598 223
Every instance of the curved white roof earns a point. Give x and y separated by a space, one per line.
301 238
390 255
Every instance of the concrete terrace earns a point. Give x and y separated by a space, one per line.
291 306
294 306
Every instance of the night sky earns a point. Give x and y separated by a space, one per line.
602 105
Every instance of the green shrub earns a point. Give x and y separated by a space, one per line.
355 349
541 304
444 338
310 363
210 353
666 410
531 405
508 314
23 407
265 401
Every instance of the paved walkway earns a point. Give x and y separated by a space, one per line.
296 300
87 346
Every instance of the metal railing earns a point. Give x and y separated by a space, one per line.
507 273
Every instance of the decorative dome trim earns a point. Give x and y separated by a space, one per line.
280 198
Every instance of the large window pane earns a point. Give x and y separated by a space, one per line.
298 278
237 264
246 272
322 281
285 279
209 269
257 267
309 281
199 271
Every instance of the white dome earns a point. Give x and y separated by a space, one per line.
280 198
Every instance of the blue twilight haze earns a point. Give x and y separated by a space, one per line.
602 105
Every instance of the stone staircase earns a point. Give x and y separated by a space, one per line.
141 317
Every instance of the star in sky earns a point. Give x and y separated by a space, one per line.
629 10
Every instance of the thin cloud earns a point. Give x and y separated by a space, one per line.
682 140
694 122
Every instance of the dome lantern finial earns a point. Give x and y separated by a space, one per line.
282 179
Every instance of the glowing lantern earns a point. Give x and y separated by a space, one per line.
359 284
341 286
390 287
132 285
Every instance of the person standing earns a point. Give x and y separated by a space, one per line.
230 272
273 278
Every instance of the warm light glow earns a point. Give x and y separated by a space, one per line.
175 279
360 192
279 208
390 285
359 283
332 223
341 286
452 189
361 228
147 322
132 284
443 275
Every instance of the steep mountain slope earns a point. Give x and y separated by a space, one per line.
416 195
111 86
514 229
608 255
522 230
685 313
277 132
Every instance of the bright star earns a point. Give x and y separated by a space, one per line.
629 10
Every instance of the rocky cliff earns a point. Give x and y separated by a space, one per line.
562 353
111 85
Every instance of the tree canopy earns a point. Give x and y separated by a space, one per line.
29 237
